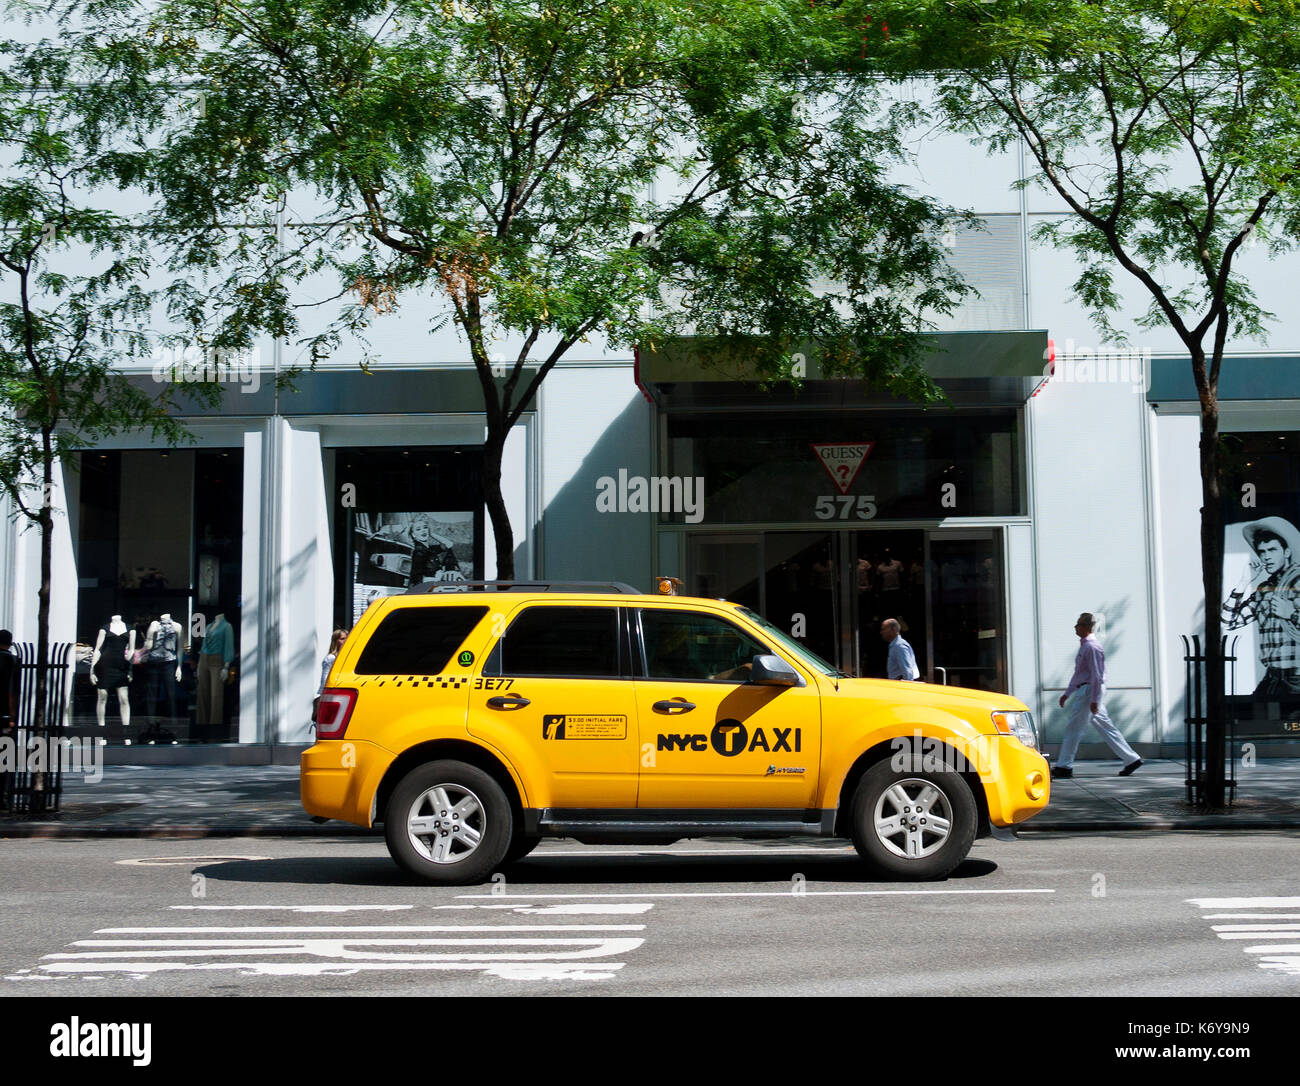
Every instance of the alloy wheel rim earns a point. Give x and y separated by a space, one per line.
446 823
913 818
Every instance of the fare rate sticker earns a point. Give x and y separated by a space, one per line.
591 726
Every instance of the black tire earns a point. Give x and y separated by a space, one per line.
946 796
463 859
520 846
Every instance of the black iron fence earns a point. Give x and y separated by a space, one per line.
1195 720
36 757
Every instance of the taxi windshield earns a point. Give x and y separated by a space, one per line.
792 646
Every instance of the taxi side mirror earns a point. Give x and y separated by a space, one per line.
768 670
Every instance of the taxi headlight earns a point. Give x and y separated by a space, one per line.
1019 724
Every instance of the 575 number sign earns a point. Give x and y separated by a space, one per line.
845 507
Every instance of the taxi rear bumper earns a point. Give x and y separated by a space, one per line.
340 778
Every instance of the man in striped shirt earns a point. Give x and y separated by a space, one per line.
1088 687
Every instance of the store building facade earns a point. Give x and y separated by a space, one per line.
986 523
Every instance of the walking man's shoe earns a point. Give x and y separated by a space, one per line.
1062 772
1132 767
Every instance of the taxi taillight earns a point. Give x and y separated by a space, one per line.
333 711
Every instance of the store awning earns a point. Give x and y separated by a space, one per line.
335 391
1263 377
972 368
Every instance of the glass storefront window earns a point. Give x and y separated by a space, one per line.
848 467
404 517
830 592
158 541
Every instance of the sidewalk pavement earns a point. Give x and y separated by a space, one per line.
247 801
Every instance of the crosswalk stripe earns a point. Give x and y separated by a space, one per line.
1245 902
1277 957
395 927
520 951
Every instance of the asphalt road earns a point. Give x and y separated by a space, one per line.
1168 914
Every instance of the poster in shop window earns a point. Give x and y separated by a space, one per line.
1261 574
392 552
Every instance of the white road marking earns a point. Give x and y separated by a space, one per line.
164 861
669 853
506 951
395 927
609 908
1278 957
1225 930
1245 902
513 970
771 893
296 908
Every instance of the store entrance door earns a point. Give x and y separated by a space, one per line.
967 619
832 590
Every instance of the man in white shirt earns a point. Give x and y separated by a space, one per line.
1088 685
902 660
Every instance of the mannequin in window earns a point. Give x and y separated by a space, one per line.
214 665
110 669
162 664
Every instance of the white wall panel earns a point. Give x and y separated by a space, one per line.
594 422
1022 625
1091 530
1177 481
306 581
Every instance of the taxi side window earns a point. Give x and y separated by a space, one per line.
691 645
559 642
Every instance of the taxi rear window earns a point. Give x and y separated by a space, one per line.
417 640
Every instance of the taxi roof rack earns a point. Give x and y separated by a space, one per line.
525 586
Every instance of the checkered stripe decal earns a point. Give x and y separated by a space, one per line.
442 681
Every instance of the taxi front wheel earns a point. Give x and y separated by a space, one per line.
913 825
448 823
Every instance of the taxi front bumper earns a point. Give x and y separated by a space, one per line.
1016 780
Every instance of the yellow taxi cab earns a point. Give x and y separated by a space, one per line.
473 723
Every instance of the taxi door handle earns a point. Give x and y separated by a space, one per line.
507 701
676 707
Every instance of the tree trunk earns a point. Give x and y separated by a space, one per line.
502 534
46 521
1212 793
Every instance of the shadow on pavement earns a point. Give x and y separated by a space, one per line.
557 869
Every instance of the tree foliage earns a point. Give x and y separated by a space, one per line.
546 171
73 300
1170 132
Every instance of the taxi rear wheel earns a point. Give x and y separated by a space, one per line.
448 823
913 825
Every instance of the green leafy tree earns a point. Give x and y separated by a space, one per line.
72 304
547 171
1170 130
